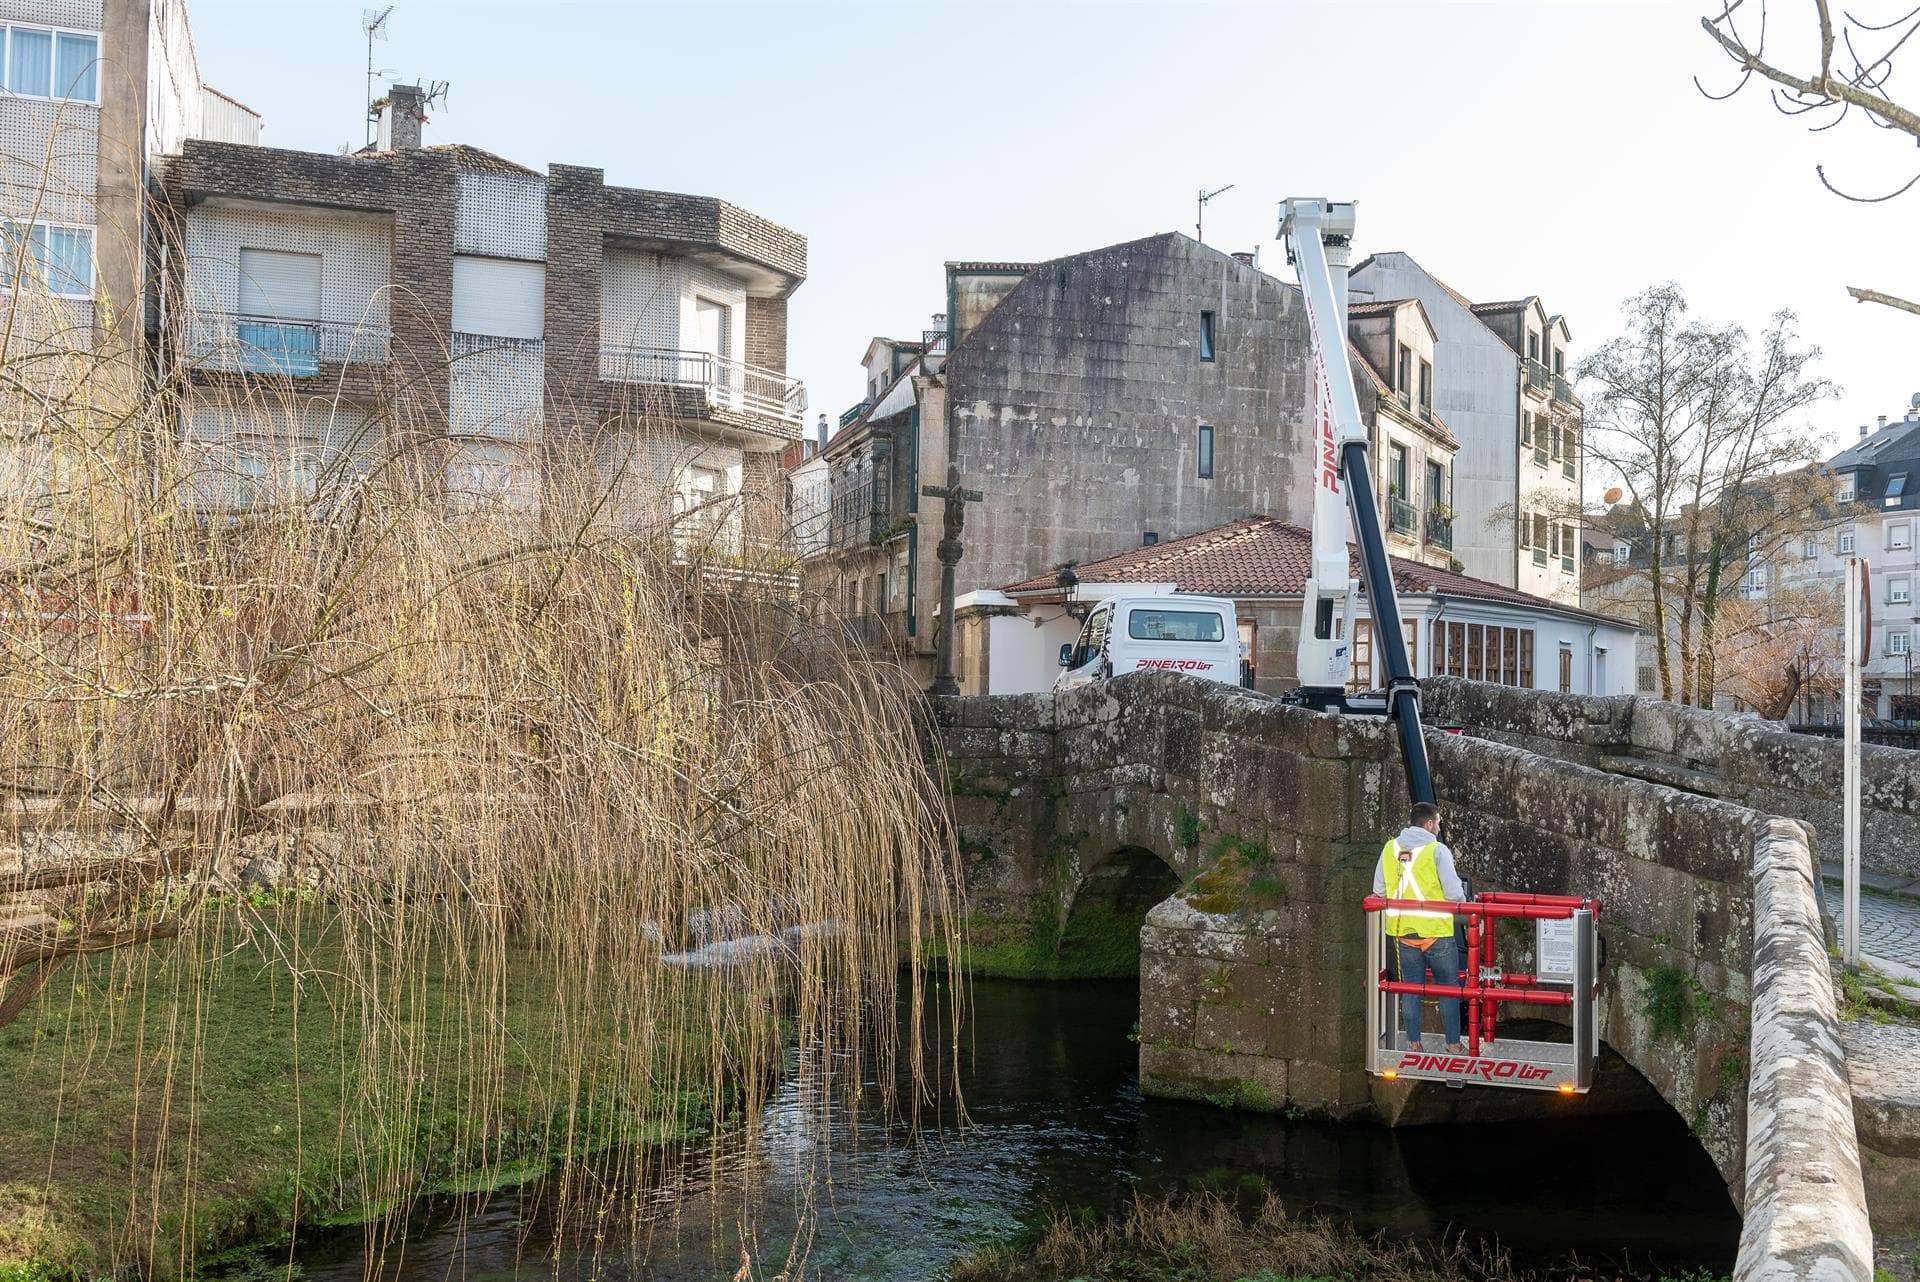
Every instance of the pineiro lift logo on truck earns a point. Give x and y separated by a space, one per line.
1470 1069
1174 665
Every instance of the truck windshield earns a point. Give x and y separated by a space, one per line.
1176 625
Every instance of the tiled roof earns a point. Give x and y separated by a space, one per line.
1511 305
468 156
1375 307
993 267
1259 556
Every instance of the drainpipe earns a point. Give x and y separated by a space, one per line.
1592 670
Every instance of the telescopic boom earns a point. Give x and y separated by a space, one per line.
1314 230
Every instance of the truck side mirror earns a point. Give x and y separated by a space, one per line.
1066 654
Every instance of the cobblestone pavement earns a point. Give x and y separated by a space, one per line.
1889 928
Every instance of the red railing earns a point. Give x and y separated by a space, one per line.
1482 987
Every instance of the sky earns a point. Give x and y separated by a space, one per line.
1542 147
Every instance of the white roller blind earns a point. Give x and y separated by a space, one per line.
278 284
499 297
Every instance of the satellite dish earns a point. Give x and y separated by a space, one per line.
1613 495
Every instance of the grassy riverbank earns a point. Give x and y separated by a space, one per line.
1208 1238
181 1099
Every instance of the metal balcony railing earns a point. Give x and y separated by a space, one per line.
268 345
934 341
1440 530
1562 390
1401 516
853 415
854 522
1538 379
728 384
1539 556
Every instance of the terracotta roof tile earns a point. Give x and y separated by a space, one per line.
1259 556
468 156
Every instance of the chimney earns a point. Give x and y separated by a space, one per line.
1244 257
1883 422
823 431
1863 431
400 119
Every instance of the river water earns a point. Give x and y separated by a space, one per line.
1055 1118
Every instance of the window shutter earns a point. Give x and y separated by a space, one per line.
499 297
280 285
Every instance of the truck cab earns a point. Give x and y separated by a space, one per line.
1196 635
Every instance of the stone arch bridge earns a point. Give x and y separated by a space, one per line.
1248 831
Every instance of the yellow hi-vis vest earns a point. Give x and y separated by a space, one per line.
1417 878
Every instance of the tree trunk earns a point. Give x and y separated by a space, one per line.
1709 609
1781 705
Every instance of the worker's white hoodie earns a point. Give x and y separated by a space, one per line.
1412 839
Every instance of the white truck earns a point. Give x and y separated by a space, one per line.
1197 635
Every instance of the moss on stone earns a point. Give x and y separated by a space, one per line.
1240 876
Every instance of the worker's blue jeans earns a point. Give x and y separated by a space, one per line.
1443 961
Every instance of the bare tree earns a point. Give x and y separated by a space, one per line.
1706 438
1853 77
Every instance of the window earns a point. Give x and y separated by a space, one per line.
1397 478
1896 486
1757 581
1206 336
1845 494
42 63
1149 537
1898 591
1569 450
1362 676
1484 652
56 256
1539 539
1560 363
1426 390
1403 377
1845 542
1553 441
1206 453
1899 536
1644 680
1813 548
1753 544
1436 486
1622 554
1176 625
1533 347
1526 428
1896 640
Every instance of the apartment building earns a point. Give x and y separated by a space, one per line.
1878 511
1500 382
331 308
1124 396
90 92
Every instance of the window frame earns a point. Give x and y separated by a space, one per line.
7 259
1136 613
1844 543
1209 337
1204 460
1902 531
53 61
1903 637
1846 490
1899 589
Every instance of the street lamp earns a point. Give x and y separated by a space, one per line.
1069 583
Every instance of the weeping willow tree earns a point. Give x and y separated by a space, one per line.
358 824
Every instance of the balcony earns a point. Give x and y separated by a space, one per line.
266 345
1539 381
1440 530
853 415
1563 391
934 341
726 383
854 523
1401 516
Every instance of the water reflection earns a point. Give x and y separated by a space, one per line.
1054 1117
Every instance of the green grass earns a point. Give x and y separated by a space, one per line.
97 1155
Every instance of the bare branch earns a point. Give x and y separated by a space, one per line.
1875 296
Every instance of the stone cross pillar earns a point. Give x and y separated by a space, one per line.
950 551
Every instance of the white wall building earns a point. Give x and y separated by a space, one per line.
1500 383
1008 640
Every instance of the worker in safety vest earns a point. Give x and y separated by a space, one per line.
1415 865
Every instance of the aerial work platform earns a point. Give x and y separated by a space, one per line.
1566 969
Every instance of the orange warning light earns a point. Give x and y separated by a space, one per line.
1566 1088
1389 1073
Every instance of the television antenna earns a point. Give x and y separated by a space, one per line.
374 23
1200 216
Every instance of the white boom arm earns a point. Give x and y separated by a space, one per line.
1306 225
